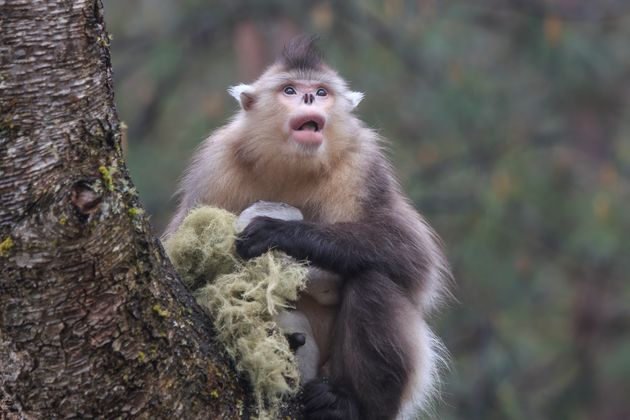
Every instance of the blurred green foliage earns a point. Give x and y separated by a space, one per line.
510 130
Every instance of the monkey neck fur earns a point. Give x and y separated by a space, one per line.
326 187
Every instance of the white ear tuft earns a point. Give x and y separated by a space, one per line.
355 98
236 91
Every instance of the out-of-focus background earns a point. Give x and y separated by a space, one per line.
510 130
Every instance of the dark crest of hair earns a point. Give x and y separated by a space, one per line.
301 53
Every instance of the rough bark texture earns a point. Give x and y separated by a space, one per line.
93 321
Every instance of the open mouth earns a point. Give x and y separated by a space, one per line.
307 129
309 126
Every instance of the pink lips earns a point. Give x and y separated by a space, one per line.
307 129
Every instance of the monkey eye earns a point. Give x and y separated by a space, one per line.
289 90
321 92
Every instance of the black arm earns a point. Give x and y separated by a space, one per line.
343 248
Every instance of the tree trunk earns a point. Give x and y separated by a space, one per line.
93 320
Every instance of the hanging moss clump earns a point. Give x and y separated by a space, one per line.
243 299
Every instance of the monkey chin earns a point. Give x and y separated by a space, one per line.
308 149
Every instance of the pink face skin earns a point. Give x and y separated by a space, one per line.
308 104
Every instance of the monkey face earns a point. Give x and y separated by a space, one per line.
307 105
298 121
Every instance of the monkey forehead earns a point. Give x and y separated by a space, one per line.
276 76
307 85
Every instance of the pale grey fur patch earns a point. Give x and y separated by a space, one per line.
280 211
307 355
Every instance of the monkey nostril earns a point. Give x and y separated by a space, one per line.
308 98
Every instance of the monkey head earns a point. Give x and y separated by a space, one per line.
298 113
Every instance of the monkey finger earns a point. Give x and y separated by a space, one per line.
322 400
243 248
262 225
258 237
251 248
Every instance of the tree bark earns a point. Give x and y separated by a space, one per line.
93 319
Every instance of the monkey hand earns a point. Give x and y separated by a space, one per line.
261 234
321 400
